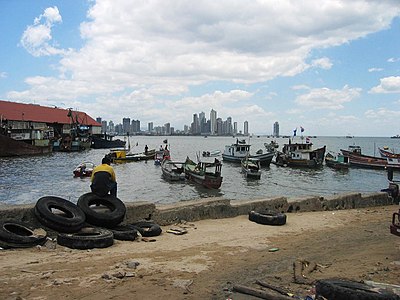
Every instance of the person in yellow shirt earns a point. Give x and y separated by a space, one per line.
103 179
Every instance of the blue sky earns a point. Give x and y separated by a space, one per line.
331 67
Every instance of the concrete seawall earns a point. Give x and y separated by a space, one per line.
216 208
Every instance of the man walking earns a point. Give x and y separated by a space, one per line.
103 179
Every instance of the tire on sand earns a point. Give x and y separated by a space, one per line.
59 214
107 211
16 234
341 289
86 238
147 229
124 232
268 217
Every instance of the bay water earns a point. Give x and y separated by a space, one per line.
23 180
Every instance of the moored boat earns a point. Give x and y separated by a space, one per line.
105 141
338 161
211 153
251 168
208 174
384 152
239 150
357 159
84 169
121 156
300 155
173 171
12 147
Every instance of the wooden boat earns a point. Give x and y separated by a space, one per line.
251 168
173 171
105 141
84 169
338 161
384 152
357 159
271 146
211 153
121 156
300 155
239 150
12 147
201 173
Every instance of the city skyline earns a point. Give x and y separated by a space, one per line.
331 68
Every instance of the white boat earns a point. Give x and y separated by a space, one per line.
173 171
239 150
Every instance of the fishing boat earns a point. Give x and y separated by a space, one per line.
251 168
122 156
239 150
384 152
105 141
337 161
173 171
271 146
357 159
207 174
300 155
212 153
12 147
84 169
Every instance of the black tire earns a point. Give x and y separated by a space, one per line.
268 217
71 219
148 229
15 232
124 232
87 238
109 218
341 289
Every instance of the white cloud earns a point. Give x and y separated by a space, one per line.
3 74
323 63
393 59
388 85
36 37
375 69
325 98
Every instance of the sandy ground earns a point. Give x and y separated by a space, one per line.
210 258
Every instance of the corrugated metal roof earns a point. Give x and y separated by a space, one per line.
14 111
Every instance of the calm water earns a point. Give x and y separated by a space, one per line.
25 180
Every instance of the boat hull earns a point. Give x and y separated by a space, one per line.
369 162
265 158
101 143
172 172
10 147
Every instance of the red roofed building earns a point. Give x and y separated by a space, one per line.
17 116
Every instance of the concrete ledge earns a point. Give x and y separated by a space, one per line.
216 208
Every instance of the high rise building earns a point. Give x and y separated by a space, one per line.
126 125
246 128
213 121
276 129
111 127
150 126
195 128
235 129
103 126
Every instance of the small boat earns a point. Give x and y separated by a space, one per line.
211 153
105 141
159 157
201 173
121 156
11 147
271 146
338 161
173 171
239 150
251 168
300 155
384 152
84 169
357 159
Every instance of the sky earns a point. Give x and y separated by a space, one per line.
331 67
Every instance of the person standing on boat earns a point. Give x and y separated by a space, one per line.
146 149
103 179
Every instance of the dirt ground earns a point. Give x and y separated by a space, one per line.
212 257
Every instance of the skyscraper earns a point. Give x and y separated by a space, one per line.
213 121
246 128
276 129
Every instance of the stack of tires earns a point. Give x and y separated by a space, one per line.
81 226
94 222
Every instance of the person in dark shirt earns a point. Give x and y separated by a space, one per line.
103 179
